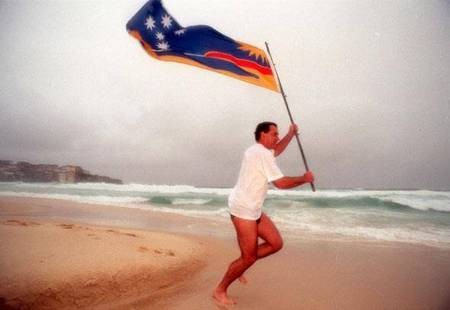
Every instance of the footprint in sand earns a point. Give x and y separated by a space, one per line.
66 226
121 233
94 236
163 286
142 249
20 223
170 253
166 252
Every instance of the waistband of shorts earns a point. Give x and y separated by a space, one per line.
258 220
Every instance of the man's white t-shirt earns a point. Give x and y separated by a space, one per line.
257 171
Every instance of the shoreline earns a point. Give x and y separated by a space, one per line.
140 218
307 274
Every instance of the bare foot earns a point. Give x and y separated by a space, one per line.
222 298
243 279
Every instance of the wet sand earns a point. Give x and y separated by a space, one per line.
73 255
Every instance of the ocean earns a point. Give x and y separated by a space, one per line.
410 216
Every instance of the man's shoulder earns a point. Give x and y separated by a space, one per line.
257 149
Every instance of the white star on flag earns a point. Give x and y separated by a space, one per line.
159 36
166 21
180 32
150 23
164 46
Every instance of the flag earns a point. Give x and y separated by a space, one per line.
202 46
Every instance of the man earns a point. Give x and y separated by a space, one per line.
246 199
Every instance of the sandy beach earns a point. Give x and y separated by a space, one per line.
53 264
61 254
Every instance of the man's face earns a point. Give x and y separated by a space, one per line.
270 139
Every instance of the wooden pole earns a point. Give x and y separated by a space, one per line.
290 115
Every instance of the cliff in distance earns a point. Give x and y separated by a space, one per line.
26 172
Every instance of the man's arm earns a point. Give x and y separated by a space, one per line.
283 143
290 182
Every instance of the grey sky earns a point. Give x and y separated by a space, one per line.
368 83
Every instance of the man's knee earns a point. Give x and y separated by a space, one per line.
277 245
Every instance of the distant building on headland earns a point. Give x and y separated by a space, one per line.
26 172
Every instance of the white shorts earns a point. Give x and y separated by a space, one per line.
245 213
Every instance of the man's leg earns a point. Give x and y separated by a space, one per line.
273 241
247 235
269 232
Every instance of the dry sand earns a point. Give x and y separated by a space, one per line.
62 262
52 264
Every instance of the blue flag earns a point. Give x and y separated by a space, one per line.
202 46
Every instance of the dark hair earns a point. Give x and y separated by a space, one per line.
263 127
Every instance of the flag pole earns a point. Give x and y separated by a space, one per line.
290 115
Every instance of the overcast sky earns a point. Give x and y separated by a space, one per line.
368 83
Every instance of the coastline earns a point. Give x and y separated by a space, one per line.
304 275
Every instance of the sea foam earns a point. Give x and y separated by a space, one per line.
418 216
